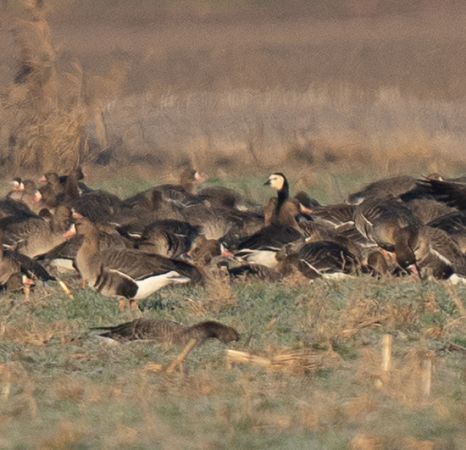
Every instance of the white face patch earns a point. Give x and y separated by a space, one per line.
276 181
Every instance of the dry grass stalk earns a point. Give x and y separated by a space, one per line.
350 332
426 377
14 373
296 362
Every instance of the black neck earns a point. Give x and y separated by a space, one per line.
282 195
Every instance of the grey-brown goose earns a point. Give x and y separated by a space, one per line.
169 332
52 193
14 208
28 195
334 215
170 238
317 231
63 256
224 197
98 206
325 259
394 187
251 272
453 193
380 220
428 209
431 251
454 224
13 263
17 186
124 272
183 193
35 236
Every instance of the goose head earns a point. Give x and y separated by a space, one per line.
404 244
84 227
277 181
191 176
17 184
219 331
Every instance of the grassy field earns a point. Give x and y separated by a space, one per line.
61 387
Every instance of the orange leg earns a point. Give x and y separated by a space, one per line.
133 305
122 304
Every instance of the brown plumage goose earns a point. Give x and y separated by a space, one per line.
27 193
182 193
35 236
431 251
380 220
453 193
169 332
19 270
325 259
170 238
391 187
127 273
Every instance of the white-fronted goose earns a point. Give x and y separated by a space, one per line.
391 187
453 193
124 272
14 263
170 238
428 209
169 332
17 187
35 236
14 208
252 272
454 224
183 193
223 197
325 259
380 220
430 250
334 215
28 194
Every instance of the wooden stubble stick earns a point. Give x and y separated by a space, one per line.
182 356
235 356
387 353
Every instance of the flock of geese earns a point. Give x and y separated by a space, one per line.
173 233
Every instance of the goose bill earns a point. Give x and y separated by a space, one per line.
37 197
70 232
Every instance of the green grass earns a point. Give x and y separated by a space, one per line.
61 387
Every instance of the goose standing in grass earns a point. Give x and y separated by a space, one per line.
127 273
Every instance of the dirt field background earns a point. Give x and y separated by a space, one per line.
235 85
